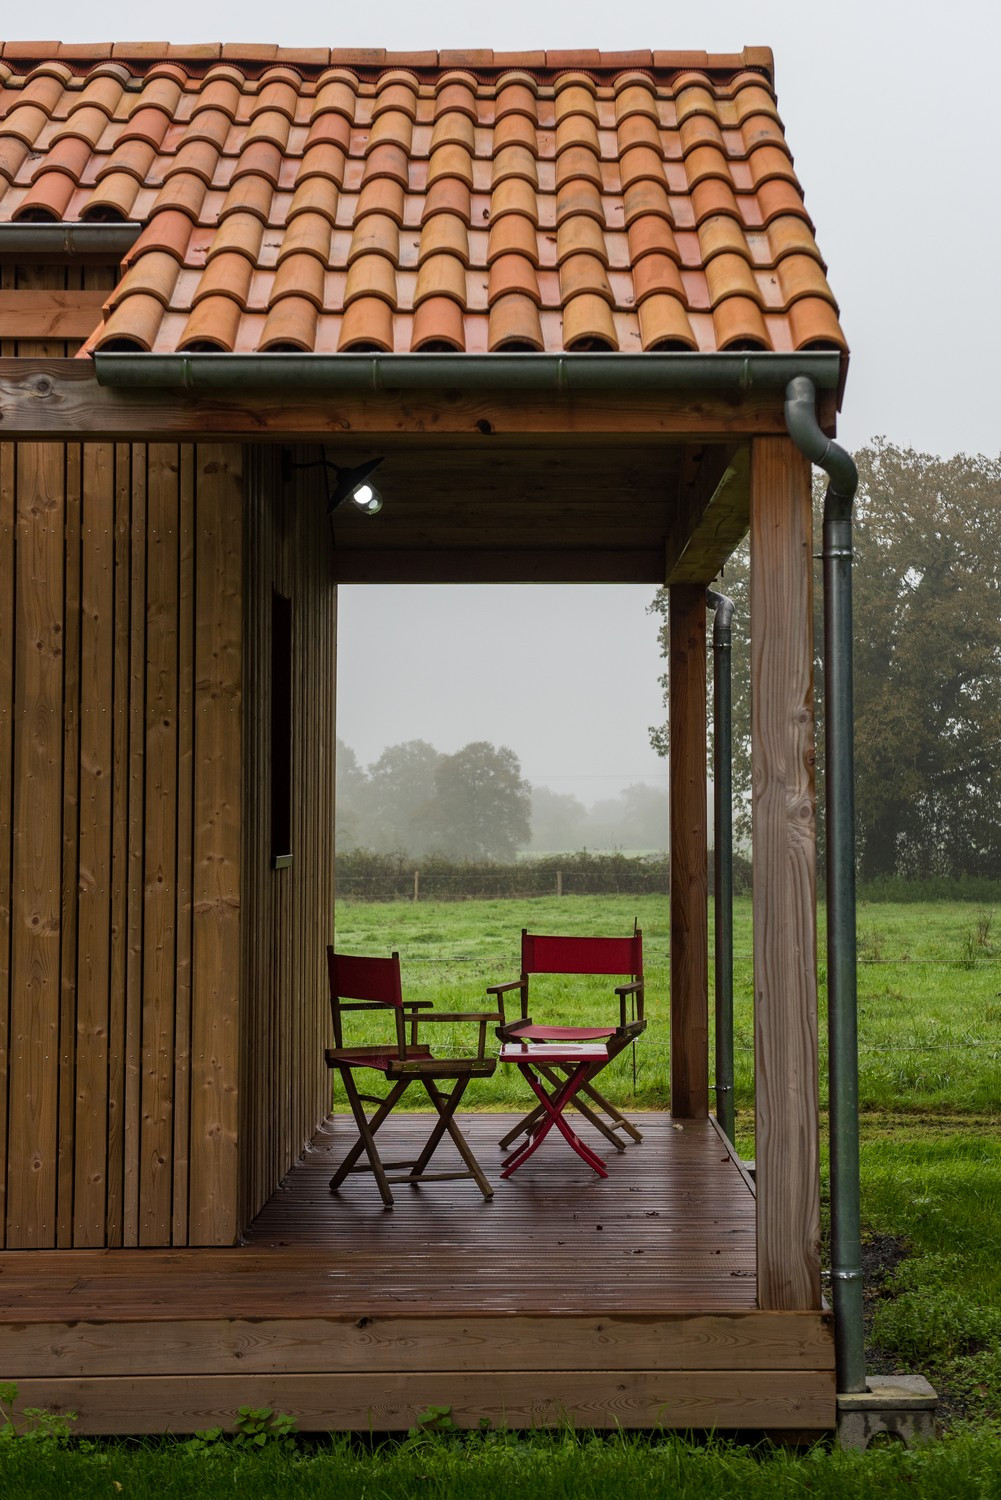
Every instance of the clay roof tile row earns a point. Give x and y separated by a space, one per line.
333 200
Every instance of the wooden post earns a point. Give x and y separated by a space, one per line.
559 882
689 881
785 934
417 885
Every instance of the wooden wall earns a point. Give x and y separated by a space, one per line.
120 781
288 912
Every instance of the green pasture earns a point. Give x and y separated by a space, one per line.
929 990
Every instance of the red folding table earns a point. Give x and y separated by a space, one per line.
583 1060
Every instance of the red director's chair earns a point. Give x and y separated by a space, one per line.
548 1048
373 984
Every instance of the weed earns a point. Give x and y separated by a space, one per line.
255 1427
871 944
50 1429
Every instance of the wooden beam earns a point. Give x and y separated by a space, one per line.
216 847
689 914
385 1402
36 917
496 565
712 513
61 397
50 315
784 899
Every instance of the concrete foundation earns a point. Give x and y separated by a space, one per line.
892 1408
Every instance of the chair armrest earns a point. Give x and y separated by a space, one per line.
464 1015
363 1005
500 990
418 1005
623 990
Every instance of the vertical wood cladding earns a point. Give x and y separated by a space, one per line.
120 778
288 912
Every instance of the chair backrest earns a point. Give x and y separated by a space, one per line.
375 979
544 954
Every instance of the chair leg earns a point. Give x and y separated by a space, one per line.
446 1105
366 1134
609 1108
556 1076
552 1108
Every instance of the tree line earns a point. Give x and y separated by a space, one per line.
927 614
476 805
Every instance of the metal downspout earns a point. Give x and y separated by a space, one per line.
723 857
842 1003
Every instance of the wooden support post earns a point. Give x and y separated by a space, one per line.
417 885
689 913
559 882
785 934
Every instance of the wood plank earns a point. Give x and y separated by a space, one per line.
186 626
216 979
90 1202
390 1402
50 314
70 874
499 565
136 847
689 833
63 397
8 513
339 1345
35 941
118 951
784 896
160 828
712 514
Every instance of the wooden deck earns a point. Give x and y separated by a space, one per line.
629 1302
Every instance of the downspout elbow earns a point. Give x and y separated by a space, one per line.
723 606
814 444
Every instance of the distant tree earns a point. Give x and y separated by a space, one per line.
927 614
635 820
558 821
399 813
351 788
482 806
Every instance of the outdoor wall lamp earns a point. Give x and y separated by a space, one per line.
348 484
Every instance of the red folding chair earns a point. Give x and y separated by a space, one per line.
373 984
576 955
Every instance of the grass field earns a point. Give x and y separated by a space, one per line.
930 1059
929 982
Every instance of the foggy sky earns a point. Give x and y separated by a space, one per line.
890 111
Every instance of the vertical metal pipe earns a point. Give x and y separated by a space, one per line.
723 856
842 995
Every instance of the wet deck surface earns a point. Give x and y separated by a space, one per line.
670 1229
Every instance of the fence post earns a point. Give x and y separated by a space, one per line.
559 882
417 885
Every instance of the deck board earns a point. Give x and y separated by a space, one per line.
628 1300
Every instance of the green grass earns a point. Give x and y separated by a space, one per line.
929 990
507 1468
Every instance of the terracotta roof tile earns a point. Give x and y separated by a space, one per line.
464 199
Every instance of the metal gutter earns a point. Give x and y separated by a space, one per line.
737 373
842 994
723 857
68 239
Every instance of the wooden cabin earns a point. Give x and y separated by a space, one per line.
561 295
